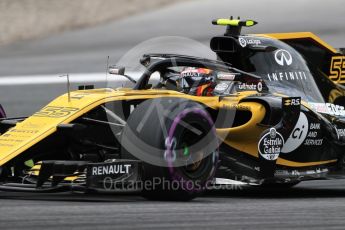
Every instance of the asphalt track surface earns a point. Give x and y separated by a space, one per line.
314 205
317 205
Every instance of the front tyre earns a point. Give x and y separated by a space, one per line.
176 140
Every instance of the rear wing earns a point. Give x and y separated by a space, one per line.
329 60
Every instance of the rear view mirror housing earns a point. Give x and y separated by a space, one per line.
120 70
116 70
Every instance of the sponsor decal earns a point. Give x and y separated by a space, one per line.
298 134
313 138
226 76
297 173
260 86
315 126
340 132
170 152
30 125
282 173
337 69
270 145
244 41
328 108
110 169
288 76
292 101
319 107
316 171
195 74
336 110
252 86
9 140
245 86
312 142
238 107
221 87
55 112
23 131
283 57
20 133
191 74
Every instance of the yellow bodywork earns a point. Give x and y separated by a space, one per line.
63 111
35 169
299 35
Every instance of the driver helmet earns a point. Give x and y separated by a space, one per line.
197 81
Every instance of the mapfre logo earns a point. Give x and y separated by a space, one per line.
283 57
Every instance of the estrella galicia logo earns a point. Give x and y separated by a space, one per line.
283 57
271 144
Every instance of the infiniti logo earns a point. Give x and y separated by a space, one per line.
283 57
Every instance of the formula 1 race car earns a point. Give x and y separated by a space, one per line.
270 111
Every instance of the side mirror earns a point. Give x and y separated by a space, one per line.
117 70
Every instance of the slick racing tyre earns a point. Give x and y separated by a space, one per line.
176 140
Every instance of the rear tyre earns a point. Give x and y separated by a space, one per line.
176 140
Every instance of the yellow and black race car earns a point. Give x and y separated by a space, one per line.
269 111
